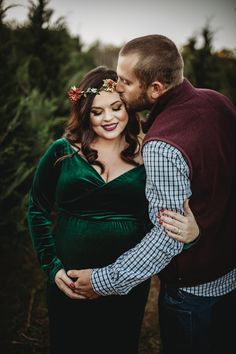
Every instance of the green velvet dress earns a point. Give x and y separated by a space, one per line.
77 220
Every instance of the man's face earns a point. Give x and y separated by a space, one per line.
128 86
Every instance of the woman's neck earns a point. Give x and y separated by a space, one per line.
105 144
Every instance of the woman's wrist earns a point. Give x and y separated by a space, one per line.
192 243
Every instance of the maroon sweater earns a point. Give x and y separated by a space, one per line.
201 123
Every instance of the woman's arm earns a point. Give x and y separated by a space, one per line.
39 215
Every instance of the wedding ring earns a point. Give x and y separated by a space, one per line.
178 231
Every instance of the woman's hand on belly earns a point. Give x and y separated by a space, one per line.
66 285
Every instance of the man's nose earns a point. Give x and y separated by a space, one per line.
119 86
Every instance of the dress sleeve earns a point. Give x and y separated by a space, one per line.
40 209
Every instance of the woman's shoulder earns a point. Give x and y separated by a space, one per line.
60 142
138 157
56 148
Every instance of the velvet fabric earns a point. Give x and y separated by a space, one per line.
77 220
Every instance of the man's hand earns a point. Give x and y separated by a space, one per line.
66 285
83 285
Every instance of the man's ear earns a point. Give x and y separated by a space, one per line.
156 89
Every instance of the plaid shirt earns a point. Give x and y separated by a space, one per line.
156 249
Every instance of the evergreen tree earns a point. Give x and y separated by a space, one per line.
38 62
206 68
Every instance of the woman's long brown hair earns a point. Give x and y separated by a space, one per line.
78 129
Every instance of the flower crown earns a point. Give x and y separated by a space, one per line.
74 94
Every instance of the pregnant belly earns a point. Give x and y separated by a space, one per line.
89 243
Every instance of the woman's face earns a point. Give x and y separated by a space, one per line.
108 115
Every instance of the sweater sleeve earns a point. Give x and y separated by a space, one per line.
40 209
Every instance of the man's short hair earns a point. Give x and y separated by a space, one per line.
158 60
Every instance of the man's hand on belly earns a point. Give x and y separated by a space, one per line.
82 285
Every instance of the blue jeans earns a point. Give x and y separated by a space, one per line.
191 324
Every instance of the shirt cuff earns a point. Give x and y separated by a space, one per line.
100 279
52 269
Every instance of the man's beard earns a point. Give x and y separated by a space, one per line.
139 104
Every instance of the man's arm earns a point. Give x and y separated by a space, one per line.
167 186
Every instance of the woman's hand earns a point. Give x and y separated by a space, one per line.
180 227
66 285
83 285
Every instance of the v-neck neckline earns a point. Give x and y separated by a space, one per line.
96 172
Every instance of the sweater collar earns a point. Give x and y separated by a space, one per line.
176 95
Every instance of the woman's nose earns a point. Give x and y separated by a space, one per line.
108 116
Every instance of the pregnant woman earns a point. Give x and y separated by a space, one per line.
87 206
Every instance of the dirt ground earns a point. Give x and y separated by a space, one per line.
23 315
150 336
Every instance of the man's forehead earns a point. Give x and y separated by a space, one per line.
128 59
126 64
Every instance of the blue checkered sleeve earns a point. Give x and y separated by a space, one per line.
167 186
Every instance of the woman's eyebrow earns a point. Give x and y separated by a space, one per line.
95 107
118 101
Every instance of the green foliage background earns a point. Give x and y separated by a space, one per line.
39 61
